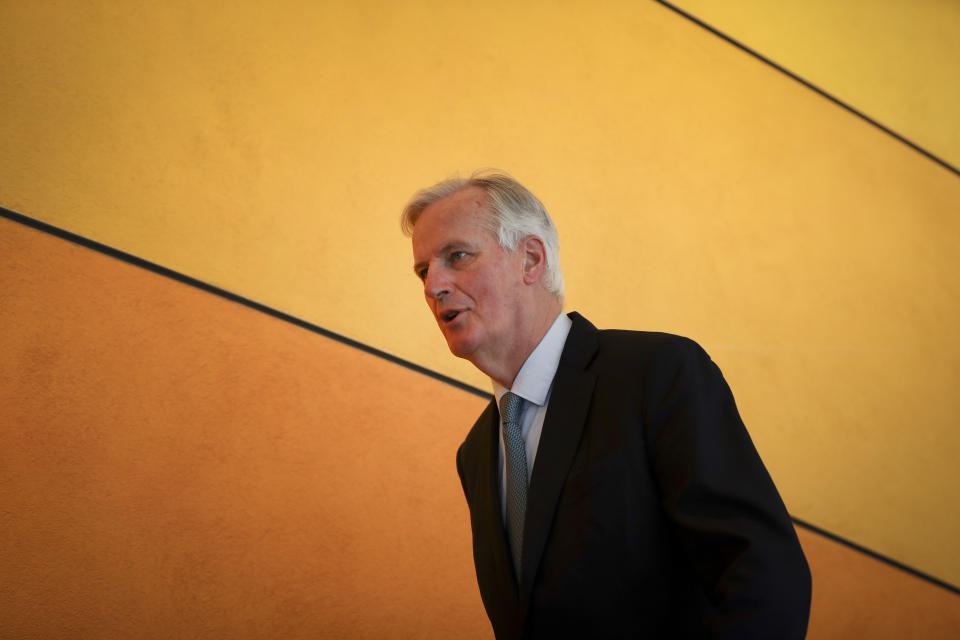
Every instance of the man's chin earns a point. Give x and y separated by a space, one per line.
460 348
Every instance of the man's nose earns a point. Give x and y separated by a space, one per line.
436 284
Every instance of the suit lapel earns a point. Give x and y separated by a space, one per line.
559 440
489 504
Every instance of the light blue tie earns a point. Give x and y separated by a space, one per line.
516 460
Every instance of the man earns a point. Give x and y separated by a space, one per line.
613 489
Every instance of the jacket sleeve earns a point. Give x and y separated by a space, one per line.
728 515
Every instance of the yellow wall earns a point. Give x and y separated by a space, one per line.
267 150
896 62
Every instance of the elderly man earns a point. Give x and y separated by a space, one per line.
613 489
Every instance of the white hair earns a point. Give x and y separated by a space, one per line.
515 214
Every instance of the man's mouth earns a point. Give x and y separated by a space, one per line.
449 316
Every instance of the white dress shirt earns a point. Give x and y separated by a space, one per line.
533 384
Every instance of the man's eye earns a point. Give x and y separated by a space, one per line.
422 274
458 255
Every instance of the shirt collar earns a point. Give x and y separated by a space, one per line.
535 377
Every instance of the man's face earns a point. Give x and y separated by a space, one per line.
472 286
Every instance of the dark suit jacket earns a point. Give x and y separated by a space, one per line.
649 512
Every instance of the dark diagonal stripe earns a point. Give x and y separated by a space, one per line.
837 101
233 297
876 556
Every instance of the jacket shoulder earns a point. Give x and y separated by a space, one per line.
646 348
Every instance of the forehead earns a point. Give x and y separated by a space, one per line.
460 217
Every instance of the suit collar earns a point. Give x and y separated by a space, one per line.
535 378
581 343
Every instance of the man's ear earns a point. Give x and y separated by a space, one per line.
534 259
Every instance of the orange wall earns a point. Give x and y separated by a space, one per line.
856 596
177 465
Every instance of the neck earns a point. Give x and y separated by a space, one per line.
503 368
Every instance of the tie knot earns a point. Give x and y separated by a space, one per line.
510 404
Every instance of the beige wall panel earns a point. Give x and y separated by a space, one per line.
178 466
855 596
896 62
268 150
